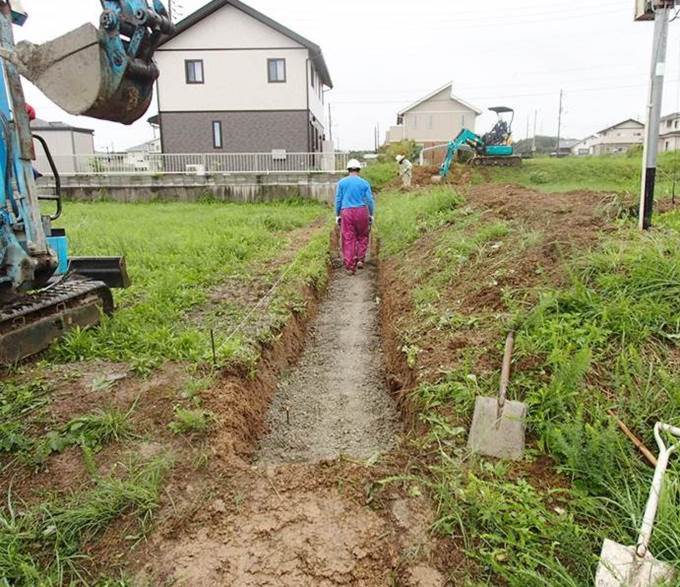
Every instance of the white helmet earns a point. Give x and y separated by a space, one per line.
353 164
400 158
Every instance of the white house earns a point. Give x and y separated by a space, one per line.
669 132
617 138
64 141
234 80
434 119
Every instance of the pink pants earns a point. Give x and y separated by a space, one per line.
355 232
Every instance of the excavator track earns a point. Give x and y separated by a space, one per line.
31 323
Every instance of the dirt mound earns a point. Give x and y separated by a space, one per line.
545 230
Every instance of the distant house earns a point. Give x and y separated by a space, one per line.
669 133
618 138
64 141
584 147
566 147
234 80
435 119
137 157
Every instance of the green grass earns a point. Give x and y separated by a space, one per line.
41 545
604 340
191 421
175 253
380 174
609 173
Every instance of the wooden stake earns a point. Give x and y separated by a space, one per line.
634 439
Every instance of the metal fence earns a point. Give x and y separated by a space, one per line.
200 163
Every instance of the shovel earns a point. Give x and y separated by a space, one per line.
634 566
498 425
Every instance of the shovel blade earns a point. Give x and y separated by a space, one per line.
491 437
74 72
619 567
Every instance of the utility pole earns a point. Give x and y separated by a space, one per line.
533 144
528 123
651 146
559 124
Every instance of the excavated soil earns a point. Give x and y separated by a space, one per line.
335 401
303 514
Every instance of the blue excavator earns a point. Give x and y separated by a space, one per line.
492 149
107 73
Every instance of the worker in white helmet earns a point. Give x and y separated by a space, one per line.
354 209
405 170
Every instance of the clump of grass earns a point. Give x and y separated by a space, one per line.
191 421
41 545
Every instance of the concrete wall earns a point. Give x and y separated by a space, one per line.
190 188
242 132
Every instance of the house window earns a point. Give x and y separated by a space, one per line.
669 123
217 134
276 69
194 71
313 76
676 124
668 146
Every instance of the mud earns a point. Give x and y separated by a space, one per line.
335 402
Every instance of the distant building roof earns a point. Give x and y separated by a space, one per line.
670 116
433 94
568 143
39 124
640 124
215 5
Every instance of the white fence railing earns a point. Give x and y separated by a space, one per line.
200 163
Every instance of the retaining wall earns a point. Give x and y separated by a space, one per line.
190 188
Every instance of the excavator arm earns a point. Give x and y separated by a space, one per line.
465 137
106 73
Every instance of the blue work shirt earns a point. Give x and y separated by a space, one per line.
353 191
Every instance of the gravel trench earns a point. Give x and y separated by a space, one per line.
335 401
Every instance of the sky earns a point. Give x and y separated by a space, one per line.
385 54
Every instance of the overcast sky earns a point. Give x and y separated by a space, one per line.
385 54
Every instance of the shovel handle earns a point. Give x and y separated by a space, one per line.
505 371
657 485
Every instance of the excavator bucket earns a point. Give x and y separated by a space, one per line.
75 72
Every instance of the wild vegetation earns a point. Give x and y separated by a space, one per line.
598 325
616 173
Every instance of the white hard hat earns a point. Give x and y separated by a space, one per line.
353 164
400 158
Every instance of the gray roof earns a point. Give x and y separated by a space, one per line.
670 116
568 143
39 124
215 5
620 123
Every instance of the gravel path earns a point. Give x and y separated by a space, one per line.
335 401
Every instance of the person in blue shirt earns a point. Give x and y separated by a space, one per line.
354 210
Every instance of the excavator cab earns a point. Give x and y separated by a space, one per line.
105 73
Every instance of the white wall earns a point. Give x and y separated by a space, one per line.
234 48
625 133
63 145
229 28
234 80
